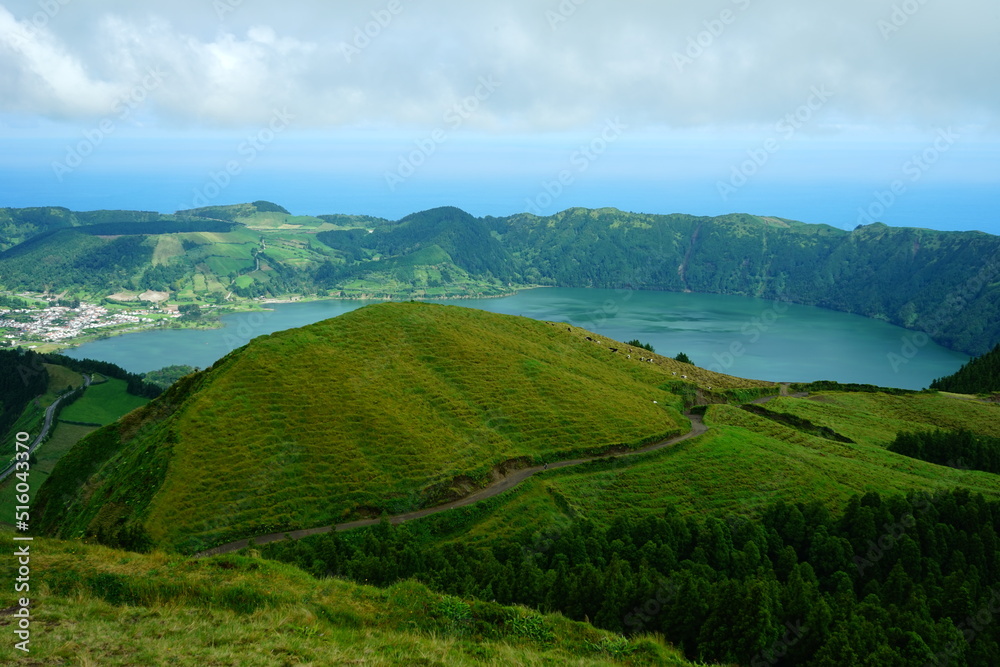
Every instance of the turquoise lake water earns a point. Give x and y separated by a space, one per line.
737 335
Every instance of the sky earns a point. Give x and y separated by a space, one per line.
844 113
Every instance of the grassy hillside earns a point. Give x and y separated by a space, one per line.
20 224
746 462
95 605
62 440
725 542
218 253
388 408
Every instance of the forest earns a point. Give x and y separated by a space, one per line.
980 376
955 449
899 580
23 378
135 384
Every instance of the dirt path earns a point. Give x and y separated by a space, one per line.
784 394
510 481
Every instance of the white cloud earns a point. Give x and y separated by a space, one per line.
755 63
41 77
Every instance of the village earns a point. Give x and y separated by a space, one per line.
61 323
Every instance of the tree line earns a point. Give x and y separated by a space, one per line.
902 580
135 384
955 449
979 376
23 378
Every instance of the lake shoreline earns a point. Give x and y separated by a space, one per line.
246 307
743 336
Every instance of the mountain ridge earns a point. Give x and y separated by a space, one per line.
945 284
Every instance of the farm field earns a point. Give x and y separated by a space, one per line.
102 404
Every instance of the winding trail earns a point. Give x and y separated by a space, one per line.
508 482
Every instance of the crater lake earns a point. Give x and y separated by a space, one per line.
741 336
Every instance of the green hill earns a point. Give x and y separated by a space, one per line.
20 224
980 376
388 408
108 607
465 240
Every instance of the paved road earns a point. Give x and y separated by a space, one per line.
46 425
510 481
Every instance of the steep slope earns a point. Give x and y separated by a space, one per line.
387 408
437 248
744 463
248 250
729 540
946 284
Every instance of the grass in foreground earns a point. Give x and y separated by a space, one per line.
98 606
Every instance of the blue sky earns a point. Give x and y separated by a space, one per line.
840 113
